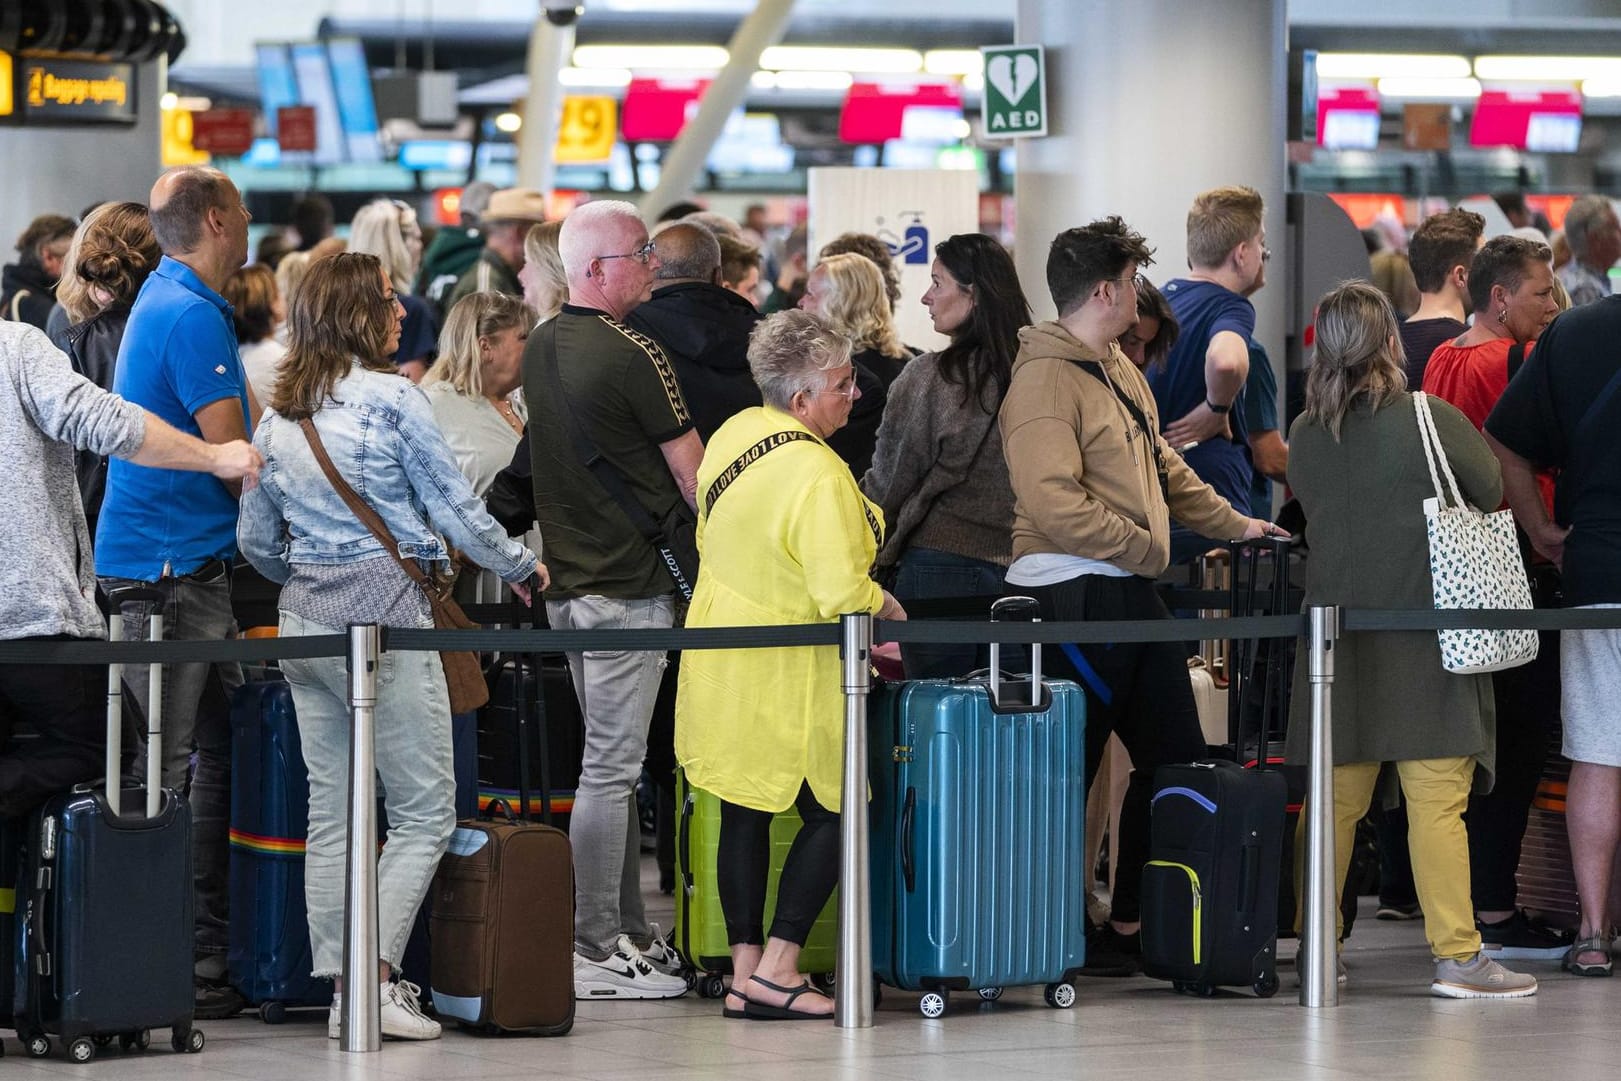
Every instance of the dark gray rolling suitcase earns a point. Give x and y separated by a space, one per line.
1210 887
105 903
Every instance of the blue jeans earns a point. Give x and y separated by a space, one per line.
617 690
930 574
197 606
413 749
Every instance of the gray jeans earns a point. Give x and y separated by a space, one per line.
414 761
616 690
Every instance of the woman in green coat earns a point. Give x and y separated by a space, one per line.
1358 468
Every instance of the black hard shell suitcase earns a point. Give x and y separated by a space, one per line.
105 947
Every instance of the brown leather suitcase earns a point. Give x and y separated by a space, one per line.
503 914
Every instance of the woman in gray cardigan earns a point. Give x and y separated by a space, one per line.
937 469
1358 469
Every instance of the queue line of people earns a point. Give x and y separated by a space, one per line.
1060 429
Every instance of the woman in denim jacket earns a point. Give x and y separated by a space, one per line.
379 431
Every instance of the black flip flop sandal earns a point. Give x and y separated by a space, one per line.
759 1011
727 1011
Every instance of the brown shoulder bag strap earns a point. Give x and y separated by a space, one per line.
363 510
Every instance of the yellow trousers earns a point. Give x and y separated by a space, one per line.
1437 791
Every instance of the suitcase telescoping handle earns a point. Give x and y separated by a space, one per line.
116 599
527 725
1028 610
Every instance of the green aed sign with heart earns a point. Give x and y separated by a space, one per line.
1015 95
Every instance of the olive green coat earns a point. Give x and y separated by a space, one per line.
1363 497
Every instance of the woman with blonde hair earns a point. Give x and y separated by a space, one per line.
1358 467
545 285
388 229
847 292
338 392
472 386
112 253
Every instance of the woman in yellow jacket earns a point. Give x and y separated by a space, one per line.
786 537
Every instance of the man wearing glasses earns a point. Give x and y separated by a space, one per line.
1200 389
600 393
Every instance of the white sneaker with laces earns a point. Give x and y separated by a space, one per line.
661 955
625 973
402 1014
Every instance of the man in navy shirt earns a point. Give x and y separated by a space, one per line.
1200 389
175 532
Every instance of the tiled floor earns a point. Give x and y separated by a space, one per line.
1387 1028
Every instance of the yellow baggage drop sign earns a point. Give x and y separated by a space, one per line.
36 91
587 130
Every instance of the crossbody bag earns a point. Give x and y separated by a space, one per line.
464 676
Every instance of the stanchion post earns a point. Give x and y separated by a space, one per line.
361 1021
852 987
1319 935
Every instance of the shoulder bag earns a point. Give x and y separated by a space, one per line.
1474 563
464 677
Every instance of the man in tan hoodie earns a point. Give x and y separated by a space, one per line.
1095 486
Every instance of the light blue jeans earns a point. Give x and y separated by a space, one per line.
414 761
616 691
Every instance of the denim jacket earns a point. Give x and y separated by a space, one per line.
379 431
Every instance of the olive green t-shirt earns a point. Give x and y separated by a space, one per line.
622 389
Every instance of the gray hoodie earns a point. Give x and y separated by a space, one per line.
47 411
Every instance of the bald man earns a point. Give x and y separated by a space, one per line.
703 326
175 532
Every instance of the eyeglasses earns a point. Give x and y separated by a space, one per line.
843 391
641 254
1136 281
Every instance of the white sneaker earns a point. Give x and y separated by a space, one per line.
1480 977
625 973
402 1014
334 1017
661 955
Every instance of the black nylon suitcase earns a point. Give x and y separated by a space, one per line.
105 902
1210 887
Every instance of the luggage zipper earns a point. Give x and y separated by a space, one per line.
1198 901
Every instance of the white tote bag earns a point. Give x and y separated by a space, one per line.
1474 563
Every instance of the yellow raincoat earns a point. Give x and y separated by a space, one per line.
791 541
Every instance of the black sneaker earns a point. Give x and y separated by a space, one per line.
1110 953
216 1000
1396 910
1520 938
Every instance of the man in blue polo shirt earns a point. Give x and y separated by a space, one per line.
1200 389
175 531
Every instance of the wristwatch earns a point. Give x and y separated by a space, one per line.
1214 408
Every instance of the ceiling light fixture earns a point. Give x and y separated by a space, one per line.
1414 89
652 57
832 58
1390 66
1548 69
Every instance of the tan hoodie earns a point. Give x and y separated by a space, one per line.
1084 479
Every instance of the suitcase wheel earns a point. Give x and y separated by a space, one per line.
1060 996
138 1041
1265 985
932 1004
186 1040
37 1046
711 986
102 1041
82 1050
272 1013
990 994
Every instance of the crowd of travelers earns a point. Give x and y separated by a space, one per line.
169 407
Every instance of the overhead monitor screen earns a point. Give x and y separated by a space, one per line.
316 89
278 84
357 112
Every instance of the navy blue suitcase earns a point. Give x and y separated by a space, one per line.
978 837
269 957
105 904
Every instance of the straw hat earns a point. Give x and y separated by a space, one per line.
515 204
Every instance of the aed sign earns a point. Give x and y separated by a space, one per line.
51 91
1015 94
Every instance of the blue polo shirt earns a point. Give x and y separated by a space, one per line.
178 355
1203 310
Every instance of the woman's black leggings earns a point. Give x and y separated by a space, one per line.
743 861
